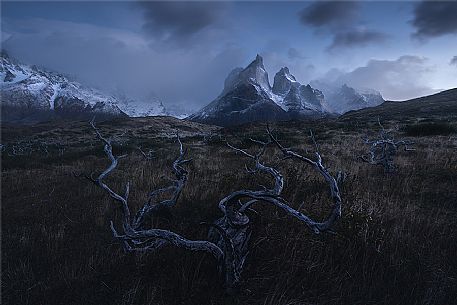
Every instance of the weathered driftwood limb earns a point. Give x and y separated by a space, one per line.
235 221
151 205
273 196
154 205
229 235
137 238
383 149
335 213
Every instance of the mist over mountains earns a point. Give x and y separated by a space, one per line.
31 93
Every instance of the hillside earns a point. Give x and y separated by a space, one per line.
442 105
57 246
75 132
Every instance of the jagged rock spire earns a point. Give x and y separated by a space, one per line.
283 81
254 73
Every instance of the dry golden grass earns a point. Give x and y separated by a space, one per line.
395 244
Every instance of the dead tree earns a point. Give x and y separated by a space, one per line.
229 235
235 222
136 237
384 148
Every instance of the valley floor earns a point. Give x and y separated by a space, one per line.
395 244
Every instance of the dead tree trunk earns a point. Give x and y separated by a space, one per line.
229 235
383 149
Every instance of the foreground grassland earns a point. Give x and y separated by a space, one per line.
395 244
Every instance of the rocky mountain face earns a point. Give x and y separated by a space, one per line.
298 98
248 97
31 94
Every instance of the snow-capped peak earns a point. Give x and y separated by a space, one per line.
254 74
258 61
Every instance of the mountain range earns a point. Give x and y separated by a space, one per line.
248 96
31 93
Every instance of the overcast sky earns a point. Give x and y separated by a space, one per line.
183 51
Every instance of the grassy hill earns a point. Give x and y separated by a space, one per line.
440 106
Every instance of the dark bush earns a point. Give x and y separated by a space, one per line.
429 129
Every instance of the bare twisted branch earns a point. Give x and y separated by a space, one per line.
383 149
231 233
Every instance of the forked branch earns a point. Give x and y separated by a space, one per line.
384 148
230 234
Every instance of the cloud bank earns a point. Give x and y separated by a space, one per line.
179 22
356 38
399 79
341 21
453 61
435 18
329 14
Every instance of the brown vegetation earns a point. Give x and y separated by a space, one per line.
395 243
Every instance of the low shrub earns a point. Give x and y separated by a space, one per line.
429 129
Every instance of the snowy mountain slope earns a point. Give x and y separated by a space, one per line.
31 93
297 97
135 105
30 88
342 98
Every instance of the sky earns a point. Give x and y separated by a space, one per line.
183 51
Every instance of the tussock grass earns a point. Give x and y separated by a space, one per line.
395 244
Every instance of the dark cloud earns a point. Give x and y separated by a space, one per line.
404 78
453 61
340 19
329 13
435 18
178 21
293 53
356 38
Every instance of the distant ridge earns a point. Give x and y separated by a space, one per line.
442 105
